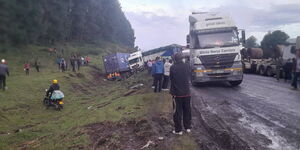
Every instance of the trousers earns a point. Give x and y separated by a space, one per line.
182 106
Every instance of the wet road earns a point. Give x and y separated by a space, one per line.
260 114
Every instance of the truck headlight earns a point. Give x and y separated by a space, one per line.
199 74
237 72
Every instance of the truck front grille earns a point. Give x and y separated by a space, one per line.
218 61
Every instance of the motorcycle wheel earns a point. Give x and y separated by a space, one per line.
59 107
46 102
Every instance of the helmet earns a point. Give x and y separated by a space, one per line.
3 61
55 81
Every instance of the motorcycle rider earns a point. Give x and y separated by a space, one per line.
53 87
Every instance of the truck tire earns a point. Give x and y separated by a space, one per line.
194 84
262 71
235 83
269 72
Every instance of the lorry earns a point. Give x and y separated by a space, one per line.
215 48
254 62
116 63
136 62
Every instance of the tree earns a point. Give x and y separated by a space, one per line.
271 40
251 42
54 21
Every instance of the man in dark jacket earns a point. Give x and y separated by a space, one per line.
296 68
180 90
158 69
3 72
53 87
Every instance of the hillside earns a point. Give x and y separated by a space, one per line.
98 114
48 22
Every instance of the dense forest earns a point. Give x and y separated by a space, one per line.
54 21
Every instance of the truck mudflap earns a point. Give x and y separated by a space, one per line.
228 74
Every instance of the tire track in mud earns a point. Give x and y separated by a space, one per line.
221 135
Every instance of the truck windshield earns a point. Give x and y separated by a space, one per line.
134 61
223 39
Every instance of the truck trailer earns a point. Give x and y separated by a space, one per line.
116 63
215 48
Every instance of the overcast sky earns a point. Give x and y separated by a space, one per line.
162 22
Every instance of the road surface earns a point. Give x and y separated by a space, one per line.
259 114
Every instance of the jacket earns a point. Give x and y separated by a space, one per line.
4 70
180 79
297 68
158 68
167 67
52 88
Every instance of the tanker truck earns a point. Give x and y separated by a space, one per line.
215 48
253 61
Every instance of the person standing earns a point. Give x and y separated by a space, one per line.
87 59
3 72
149 65
180 91
279 63
37 65
27 68
158 69
78 61
288 68
72 61
296 69
63 65
167 67
58 60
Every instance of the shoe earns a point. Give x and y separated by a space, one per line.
188 130
293 88
153 87
177 133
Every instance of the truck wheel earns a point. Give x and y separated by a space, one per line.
269 72
235 83
195 84
261 71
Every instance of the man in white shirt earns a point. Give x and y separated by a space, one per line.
167 67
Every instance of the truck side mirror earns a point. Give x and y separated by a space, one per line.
243 37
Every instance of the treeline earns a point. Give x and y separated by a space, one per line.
270 43
53 21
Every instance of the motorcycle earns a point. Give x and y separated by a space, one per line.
56 103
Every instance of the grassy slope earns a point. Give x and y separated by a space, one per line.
21 106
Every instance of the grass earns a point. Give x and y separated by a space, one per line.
25 122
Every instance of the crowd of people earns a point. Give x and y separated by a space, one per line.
76 62
160 71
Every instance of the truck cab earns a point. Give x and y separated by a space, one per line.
136 61
215 49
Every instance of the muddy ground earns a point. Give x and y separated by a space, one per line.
260 114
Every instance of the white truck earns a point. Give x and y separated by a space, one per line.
215 48
136 61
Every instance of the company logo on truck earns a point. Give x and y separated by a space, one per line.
217 51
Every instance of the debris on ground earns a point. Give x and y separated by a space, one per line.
130 92
148 144
138 86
